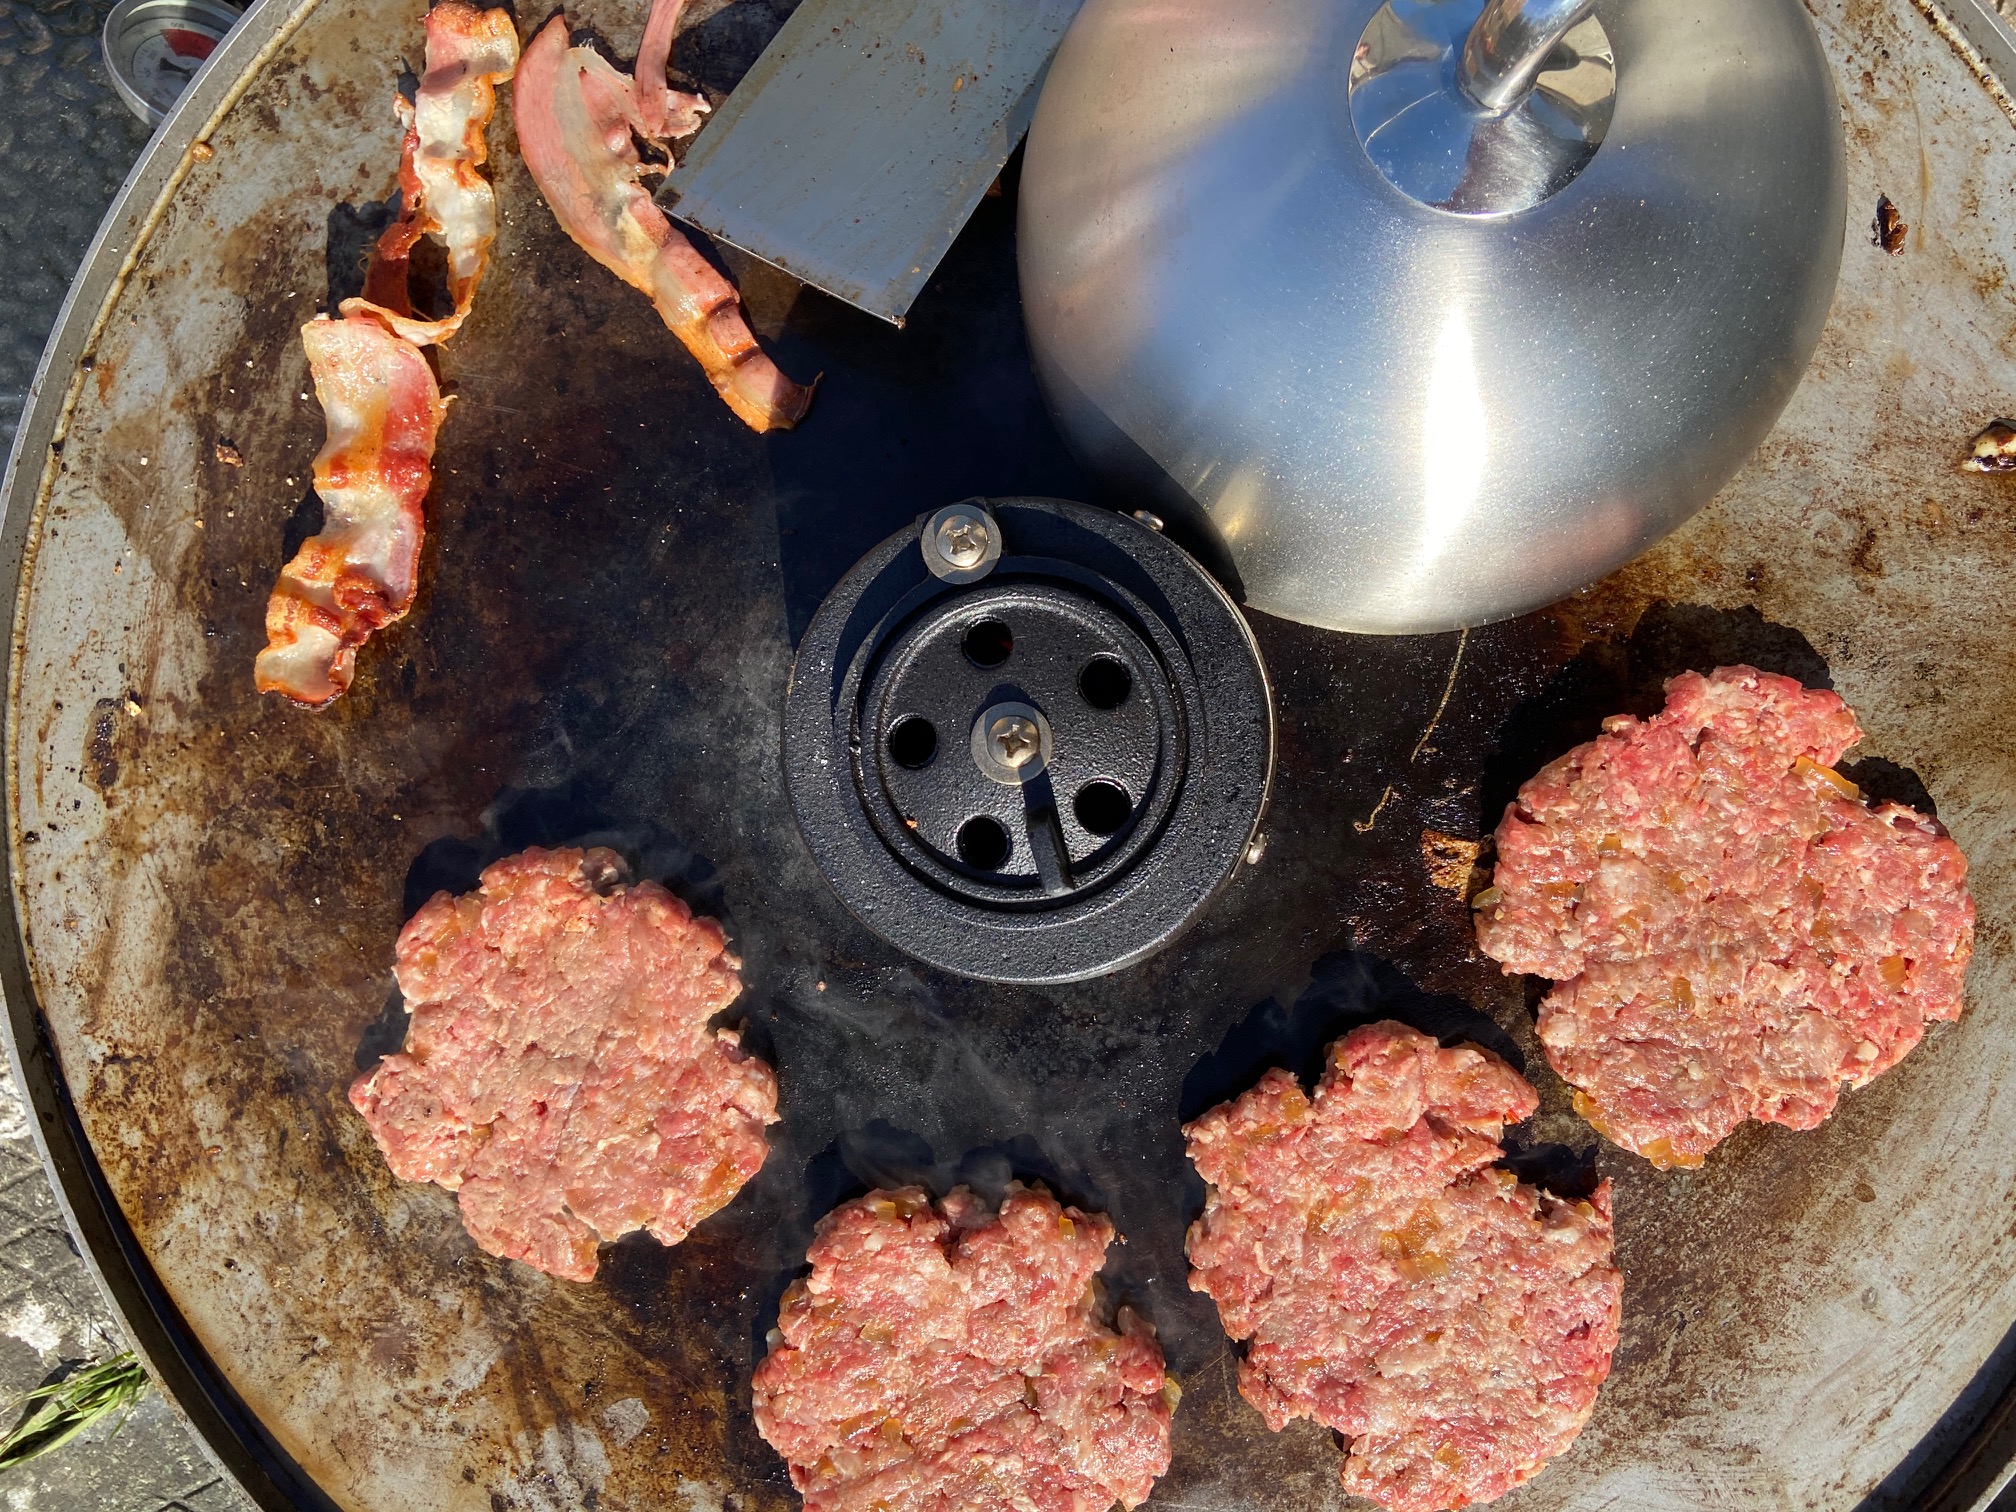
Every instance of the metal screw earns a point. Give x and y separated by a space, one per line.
1016 741
961 543
962 540
1011 743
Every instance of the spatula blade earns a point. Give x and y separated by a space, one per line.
857 147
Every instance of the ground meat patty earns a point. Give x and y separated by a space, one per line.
944 1358
1393 1283
559 1073
1735 934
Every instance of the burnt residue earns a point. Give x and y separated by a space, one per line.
880 1156
1867 557
1886 782
876 456
353 231
1628 675
569 815
109 720
386 1034
1565 1170
306 520
1347 990
1889 230
719 50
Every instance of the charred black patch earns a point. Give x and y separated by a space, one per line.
1886 782
881 1156
386 1034
1629 676
306 521
568 815
427 280
721 49
893 441
101 747
1347 990
1889 230
1560 1169
1670 638
353 230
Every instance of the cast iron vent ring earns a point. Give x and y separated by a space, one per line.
1027 740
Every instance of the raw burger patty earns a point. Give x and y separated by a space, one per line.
943 1358
1735 934
1393 1283
559 1074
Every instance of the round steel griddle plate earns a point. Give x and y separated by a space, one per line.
209 884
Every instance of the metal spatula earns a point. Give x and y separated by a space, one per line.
856 148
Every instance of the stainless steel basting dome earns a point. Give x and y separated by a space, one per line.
1426 313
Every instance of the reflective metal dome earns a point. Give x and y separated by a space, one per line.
1426 313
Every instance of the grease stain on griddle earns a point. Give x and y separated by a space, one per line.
101 752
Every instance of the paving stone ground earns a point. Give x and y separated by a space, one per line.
51 1315
65 145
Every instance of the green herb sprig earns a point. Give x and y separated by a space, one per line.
65 1408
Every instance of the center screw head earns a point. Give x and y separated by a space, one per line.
1011 743
1016 741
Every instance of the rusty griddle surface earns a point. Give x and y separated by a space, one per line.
209 883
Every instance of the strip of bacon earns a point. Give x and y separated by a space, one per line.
469 52
664 114
379 399
576 118
358 575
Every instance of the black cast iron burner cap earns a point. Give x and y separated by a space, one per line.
1027 740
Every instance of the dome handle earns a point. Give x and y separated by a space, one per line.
1508 45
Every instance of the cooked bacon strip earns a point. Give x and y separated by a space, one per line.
663 113
358 575
576 119
469 52
379 399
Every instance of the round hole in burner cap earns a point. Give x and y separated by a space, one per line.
913 743
983 843
988 643
1105 682
1102 807
1106 800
